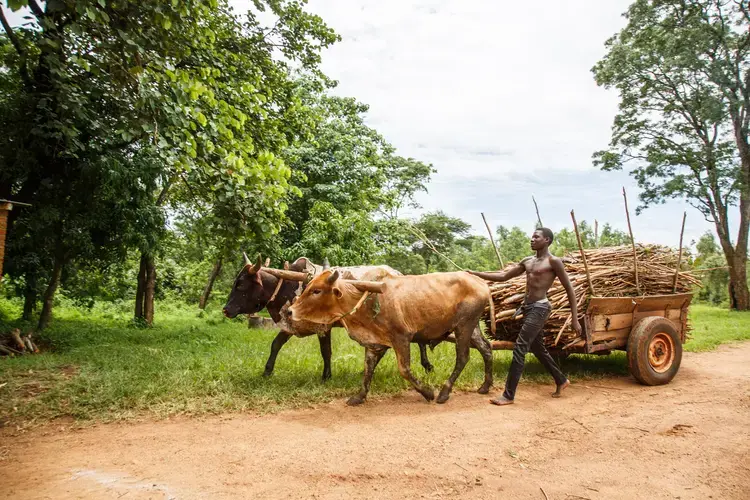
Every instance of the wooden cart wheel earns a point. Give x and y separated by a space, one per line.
654 351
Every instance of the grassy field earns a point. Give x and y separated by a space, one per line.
97 367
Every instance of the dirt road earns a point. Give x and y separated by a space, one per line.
612 439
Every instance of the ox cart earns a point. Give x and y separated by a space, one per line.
651 329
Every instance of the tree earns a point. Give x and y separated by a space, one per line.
346 163
442 231
345 238
682 68
715 279
188 83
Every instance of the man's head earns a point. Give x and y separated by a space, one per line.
541 239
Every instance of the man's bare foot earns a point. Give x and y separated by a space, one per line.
501 401
560 388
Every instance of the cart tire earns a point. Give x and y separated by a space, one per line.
654 351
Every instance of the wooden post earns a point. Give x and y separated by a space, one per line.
5 208
632 241
679 255
489 231
596 233
536 207
583 254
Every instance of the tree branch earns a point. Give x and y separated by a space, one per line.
36 9
11 35
23 70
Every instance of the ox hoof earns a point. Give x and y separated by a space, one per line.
485 389
326 377
355 401
267 373
444 395
428 367
428 394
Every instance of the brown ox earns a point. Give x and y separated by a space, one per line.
397 310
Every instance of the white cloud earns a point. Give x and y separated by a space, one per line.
499 96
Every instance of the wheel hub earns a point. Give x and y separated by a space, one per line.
661 352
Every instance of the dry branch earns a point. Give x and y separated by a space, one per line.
611 273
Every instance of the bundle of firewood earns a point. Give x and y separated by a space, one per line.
612 275
15 343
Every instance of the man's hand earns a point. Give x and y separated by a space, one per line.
576 326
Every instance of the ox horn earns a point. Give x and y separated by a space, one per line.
268 262
286 264
258 265
368 286
285 274
326 264
333 277
247 259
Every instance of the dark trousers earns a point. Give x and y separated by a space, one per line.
530 338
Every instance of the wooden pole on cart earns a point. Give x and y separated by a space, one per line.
596 233
679 255
583 254
632 242
536 207
489 231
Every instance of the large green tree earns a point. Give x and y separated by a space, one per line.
207 93
682 68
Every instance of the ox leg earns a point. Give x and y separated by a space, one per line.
373 355
482 345
325 351
463 342
423 359
403 357
281 339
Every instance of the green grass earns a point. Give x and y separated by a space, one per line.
97 367
712 326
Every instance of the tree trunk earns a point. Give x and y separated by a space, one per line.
141 288
739 295
49 294
148 295
29 303
210 285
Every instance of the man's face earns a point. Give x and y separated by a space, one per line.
538 241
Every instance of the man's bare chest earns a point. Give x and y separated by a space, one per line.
538 268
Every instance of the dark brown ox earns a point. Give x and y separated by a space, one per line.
257 288
397 310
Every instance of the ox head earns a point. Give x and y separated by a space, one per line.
250 294
327 298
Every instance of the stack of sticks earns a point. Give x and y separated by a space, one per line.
612 274
15 343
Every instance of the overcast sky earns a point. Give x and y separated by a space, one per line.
499 97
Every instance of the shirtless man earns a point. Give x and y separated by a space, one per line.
541 272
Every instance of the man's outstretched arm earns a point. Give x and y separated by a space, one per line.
514 271
559 268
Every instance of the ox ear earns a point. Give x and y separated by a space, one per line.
337 292
333 277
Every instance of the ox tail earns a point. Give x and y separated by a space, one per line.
492 312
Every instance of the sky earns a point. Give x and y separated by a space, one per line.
500 98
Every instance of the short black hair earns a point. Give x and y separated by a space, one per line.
547 233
